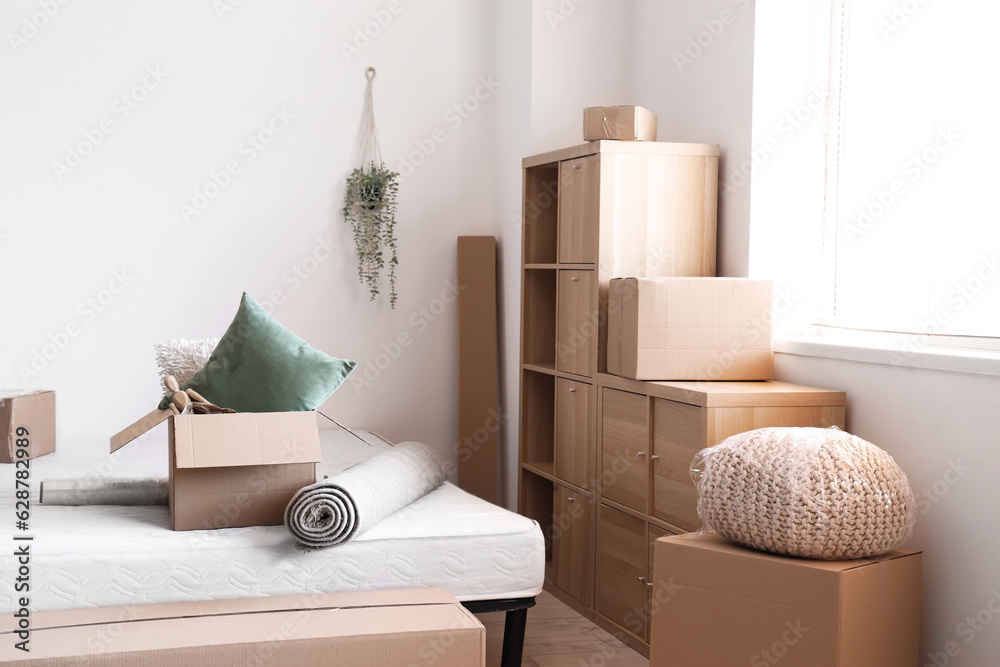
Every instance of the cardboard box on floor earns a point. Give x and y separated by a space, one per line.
690 329
27 417
716 603
372 628
229 470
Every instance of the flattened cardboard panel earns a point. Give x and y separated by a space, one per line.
245 439
34 411
478 368
208 498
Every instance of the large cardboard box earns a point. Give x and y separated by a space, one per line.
690 329
716 604
229 470
372 628
622 123
27 418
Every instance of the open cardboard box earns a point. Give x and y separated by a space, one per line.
420 626
717 603
229 470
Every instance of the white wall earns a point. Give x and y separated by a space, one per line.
62 242
692 64
512 141
580 57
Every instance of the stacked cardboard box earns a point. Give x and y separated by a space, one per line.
716 603
690 329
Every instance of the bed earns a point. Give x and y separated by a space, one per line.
488 557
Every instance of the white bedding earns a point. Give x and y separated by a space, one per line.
111 555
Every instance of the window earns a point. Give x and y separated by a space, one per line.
876 127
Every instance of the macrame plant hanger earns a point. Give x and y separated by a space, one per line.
371 151
370 204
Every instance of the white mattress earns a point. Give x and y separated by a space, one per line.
111 555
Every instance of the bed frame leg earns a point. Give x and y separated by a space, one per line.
513 637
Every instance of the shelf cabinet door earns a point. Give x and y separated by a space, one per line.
576 323
625 439
575 432
679 432
655 533
571 522
621 569
579 185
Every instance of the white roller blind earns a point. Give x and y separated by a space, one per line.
909 235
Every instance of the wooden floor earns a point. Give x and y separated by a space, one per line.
557 636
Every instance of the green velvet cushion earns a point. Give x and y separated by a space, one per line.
260 366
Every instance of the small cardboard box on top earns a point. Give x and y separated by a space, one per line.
27 423
621 123
717 603
419 626
690 329
230 470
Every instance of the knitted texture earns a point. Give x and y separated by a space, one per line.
808 492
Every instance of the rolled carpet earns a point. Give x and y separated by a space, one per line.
339 508
104 491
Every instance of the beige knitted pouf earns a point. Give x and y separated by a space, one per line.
808 492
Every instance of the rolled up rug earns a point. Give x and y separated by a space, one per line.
104 491
337 509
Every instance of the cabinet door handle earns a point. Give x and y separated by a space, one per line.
649 584
576 166
570 499
642 580
654 457
640 454
572 390
573 279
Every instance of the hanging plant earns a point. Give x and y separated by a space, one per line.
370 208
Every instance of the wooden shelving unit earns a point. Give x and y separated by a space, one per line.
604 460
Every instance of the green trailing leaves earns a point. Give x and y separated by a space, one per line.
370 209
